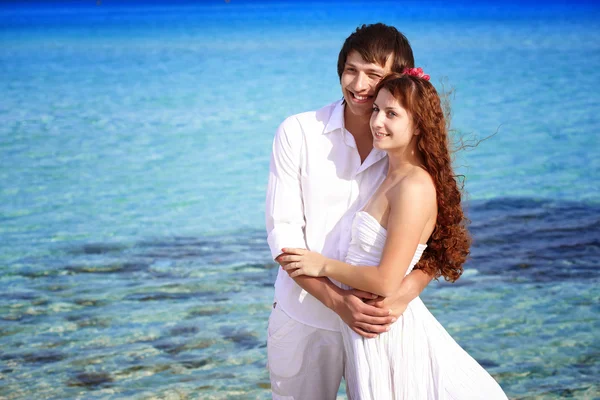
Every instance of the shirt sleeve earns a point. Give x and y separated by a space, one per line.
284 205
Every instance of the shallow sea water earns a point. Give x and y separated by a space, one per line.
134 149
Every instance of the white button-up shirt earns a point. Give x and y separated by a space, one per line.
316 185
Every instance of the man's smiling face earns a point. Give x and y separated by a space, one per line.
359 80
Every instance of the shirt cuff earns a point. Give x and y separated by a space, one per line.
285 236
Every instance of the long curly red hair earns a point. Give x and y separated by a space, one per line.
448 247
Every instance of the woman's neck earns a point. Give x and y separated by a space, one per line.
403 159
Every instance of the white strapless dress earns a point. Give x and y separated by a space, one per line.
417 359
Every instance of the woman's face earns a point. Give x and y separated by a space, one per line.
391 125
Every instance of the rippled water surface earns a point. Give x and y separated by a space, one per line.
134 148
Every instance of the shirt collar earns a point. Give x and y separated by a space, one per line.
336 120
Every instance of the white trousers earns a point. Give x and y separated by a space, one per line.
305 363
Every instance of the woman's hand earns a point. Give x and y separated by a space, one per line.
303 262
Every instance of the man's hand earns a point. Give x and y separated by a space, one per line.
397 303
365 319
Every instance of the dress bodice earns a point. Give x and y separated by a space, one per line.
368 239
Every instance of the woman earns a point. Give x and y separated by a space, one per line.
414 218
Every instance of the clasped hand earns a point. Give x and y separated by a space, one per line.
298 262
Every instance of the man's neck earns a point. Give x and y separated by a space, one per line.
359 127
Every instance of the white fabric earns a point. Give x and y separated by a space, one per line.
417 358
304 362
316 184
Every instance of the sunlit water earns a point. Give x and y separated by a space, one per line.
134 148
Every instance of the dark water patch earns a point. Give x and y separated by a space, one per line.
220 375
19 317
587 364
459 282
182 289
13 329
53 343
569 393
588 359
176 248
194 364
37 272
160 296
177 345
255 267
90 380
487 363
205 311
184 330
593 245
256 279
155 257
56 288
40 302
206 250
87 302
153 369
127 267
78 316
98 248
93 322
524 371
18 295
531 240
243 338
177 241
8 356
176 255
218 249
509 215
580 230
43 357
199 344
169 345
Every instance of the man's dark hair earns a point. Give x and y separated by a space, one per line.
375 43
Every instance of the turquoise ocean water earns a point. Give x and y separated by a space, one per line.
134 150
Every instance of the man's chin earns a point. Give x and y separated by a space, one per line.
360 110
359 105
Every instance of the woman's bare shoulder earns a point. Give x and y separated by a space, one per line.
416 186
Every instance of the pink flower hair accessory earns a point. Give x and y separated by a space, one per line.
418 72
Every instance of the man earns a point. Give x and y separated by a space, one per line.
323 170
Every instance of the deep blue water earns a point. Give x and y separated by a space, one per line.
134 149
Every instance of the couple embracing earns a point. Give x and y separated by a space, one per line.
363 210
